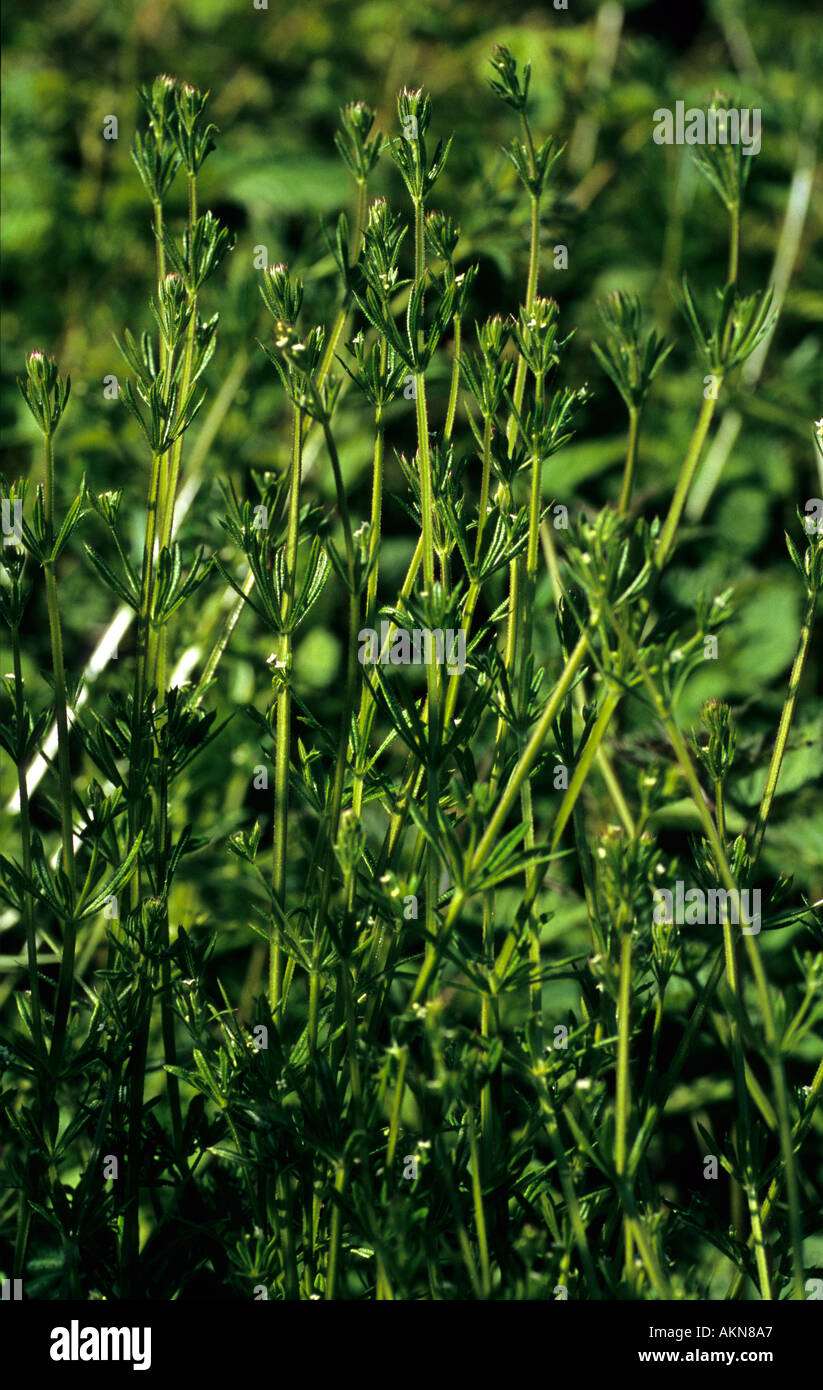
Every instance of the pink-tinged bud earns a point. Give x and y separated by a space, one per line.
39 366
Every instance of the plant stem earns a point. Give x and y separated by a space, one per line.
281 769
66 975
336 802
734 241
141 659
583 765
25 839
334 1238
531 291
786 717
603 761
623 1101
432 804
166 1006
455 380
171 475
772 1044
800 1129
24 1210
432 680
684 482
397 1105
759 1247
479 1216
631 460
130 1238
519 774
365 715
567 1185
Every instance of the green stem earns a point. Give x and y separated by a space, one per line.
334 1238
584 763
532 550
623 1100
652 1115
397 1105
524 766
531 291
141 659
364 719
170 475
603 761
426 501
734 242
25 841
130 1240
773 1055
479 1214
684 482
567 1185
772 1045
801 1127
781 741
166 1005
759 1246
66 976
530 753
282 739
455 380
336 802
432 681
24 1210
631 460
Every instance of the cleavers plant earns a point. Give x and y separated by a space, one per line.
389 1108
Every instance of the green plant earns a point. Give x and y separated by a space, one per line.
391 1109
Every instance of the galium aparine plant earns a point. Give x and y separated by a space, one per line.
391 1107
